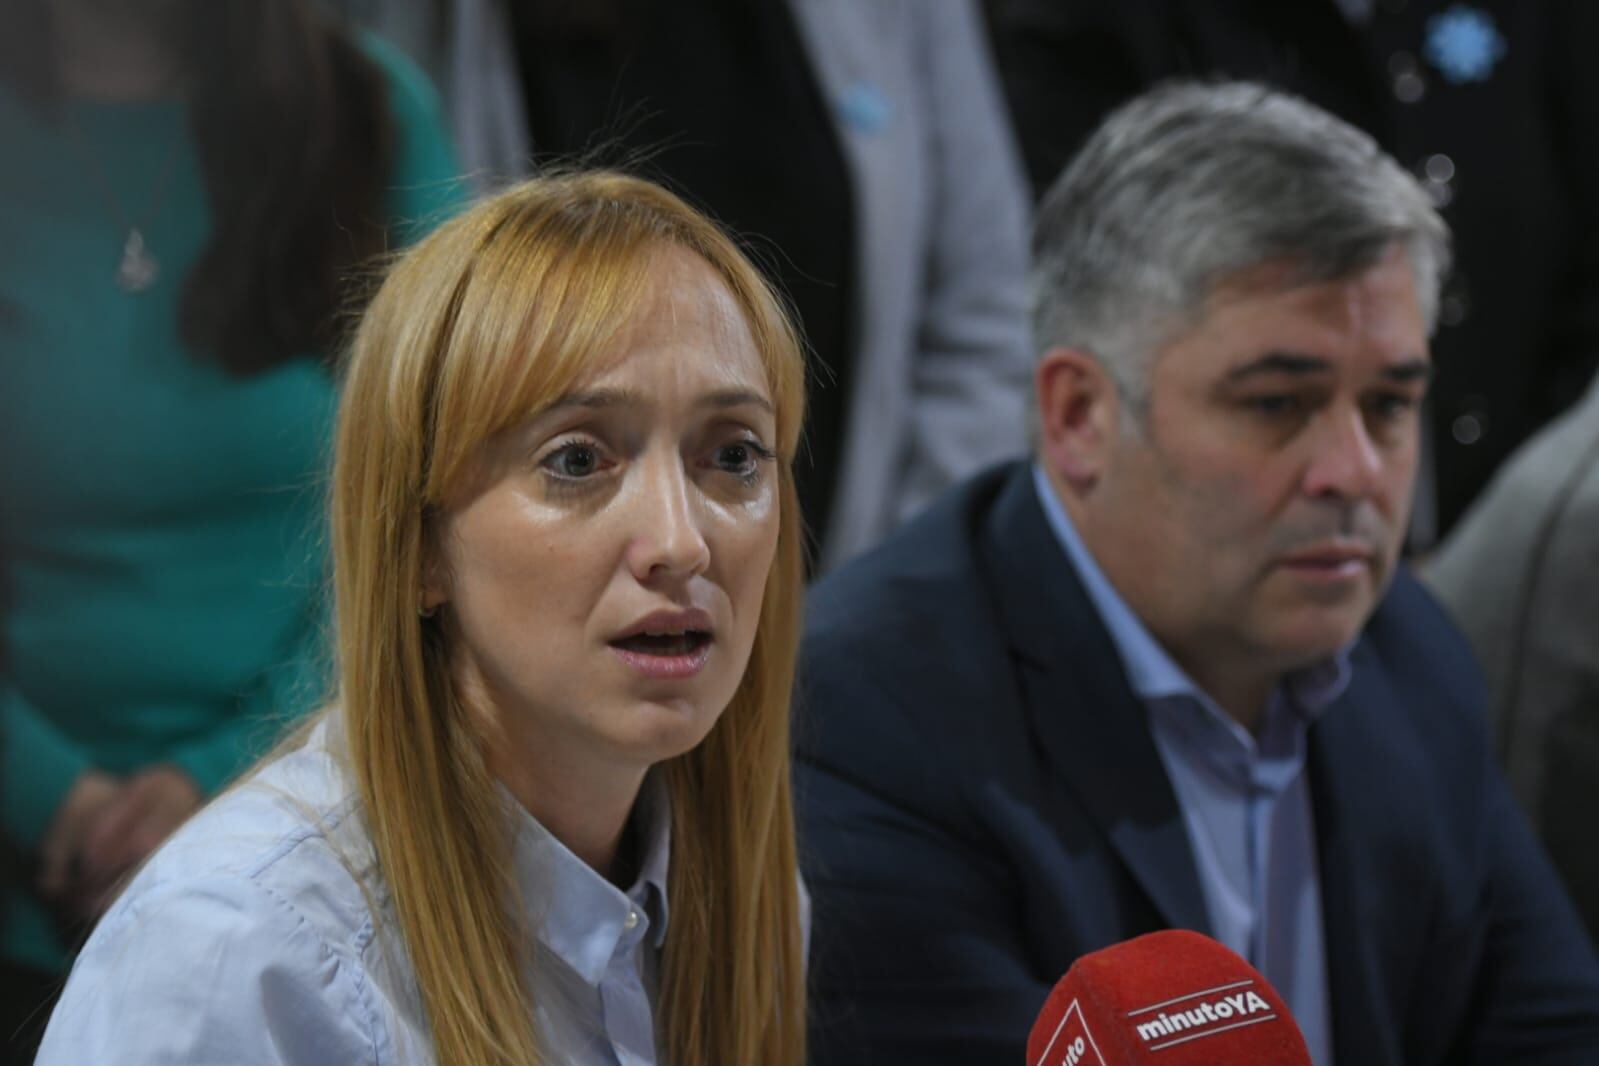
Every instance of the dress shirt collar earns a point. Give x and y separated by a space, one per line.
577 914
1153 674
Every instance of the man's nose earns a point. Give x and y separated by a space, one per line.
1348 462
668 538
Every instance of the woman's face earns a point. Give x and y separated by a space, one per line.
603 573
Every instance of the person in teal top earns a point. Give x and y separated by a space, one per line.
187 186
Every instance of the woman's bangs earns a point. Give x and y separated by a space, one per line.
538 316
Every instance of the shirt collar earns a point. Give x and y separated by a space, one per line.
655 820
1153 674
577 914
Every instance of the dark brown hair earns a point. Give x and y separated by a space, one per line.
295 141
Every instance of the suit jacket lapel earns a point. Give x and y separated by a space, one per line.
1348 772
1091 726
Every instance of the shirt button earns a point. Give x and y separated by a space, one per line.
631 921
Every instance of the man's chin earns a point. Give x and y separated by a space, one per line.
1313 636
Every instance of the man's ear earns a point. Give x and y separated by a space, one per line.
1077 411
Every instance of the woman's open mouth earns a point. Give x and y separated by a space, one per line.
666 648
665 644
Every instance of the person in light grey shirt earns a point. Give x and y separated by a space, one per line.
927 380
546 818
1521 577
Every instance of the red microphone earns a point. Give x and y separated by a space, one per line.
1173 998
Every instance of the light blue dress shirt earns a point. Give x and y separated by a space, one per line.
259 935
1245 797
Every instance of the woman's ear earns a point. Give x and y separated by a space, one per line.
435 590
1077 411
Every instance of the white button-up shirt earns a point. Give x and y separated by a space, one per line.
260 935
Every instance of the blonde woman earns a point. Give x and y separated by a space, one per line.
547 818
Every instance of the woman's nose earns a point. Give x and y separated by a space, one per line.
668 538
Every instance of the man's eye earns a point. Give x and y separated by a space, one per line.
574 461
1276 404
1393 405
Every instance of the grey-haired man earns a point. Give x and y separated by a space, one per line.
1169 672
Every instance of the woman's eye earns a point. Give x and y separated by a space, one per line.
735 457
742 458
573 461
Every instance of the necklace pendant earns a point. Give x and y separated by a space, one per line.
138 269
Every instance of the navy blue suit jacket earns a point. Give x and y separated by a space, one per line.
982 802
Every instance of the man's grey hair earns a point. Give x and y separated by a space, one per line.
1191 183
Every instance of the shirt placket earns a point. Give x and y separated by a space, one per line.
628 1019
1258 779
1259 805
1273 769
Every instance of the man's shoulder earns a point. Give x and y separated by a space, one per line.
907 686
918 597
1413 637
1417 694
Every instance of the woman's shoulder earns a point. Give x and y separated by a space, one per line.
290 832
248 928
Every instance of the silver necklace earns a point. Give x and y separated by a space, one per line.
138 269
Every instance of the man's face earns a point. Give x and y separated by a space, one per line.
1259 514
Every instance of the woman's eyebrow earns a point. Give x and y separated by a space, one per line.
635 398
613 397
734 398
598 398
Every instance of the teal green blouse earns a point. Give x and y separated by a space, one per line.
161 558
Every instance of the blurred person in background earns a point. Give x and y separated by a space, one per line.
547 818
1493 104
859 148
188 186
1520 574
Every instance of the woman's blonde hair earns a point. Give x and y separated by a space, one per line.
491 318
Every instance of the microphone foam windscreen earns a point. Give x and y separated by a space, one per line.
1173 998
